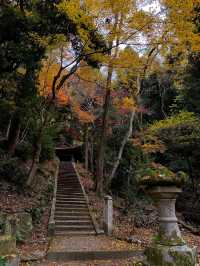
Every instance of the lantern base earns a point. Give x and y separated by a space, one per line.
160 255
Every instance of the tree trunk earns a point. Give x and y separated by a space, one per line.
124 141
191 174
91 153
86 148
14 133
36 158
8 129
102 143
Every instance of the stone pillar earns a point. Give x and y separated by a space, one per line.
8 250
108 215
168 247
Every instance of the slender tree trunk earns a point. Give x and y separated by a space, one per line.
91 153
14 133
102 143
191 174
36 158
86 148
124 141
8 128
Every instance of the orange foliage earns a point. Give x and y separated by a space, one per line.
83 116
46 77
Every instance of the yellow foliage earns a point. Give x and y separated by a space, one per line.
149 144
128 103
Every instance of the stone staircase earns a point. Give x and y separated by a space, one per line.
72 215
75 235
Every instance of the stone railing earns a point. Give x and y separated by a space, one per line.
51 225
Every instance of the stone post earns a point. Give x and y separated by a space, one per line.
8 250
108 215
168 247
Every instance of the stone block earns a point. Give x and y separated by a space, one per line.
7 245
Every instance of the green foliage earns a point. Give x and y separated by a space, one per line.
2 261
158 95
24 151
125 183
180 133
19 237
48 148
36 213
189 89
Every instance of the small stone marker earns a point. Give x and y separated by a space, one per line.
108 215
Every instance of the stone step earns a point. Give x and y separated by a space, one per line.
69 189
72 209
68 200
72 195
84 255
77 188
72 203
75 194
64 187
71 213
73 222
73 227
67 171
74 199
75 233
67 180
67 176
64 177
72 217
67 183
69 192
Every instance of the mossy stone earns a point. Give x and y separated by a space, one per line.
7 245
172 240
159 175
160 255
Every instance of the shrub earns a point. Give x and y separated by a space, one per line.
36 214
11 170
48 149
2 261
24 151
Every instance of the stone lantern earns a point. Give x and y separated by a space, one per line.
168 247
